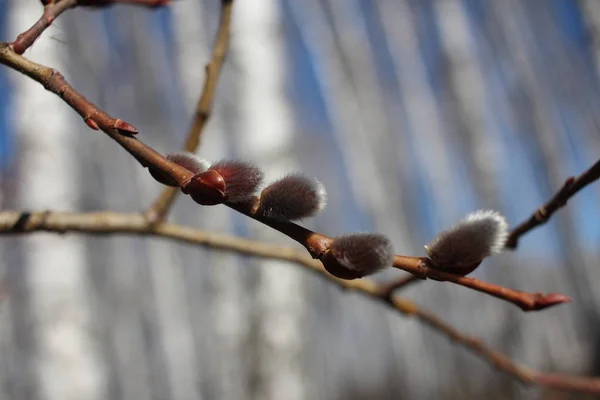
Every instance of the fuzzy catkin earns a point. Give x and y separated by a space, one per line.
241 179
364 253
477 236
291 198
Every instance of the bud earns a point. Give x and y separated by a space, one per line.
241 179
189 161
292 198
355 255
461 248
206 188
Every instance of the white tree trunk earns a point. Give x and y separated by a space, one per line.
66 362
264 135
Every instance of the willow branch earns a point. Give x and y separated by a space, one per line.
388 288
571 186
423 268
526 301
103 223
51 11
160 208
55 82
317 244
54 8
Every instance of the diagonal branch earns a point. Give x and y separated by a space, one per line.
52 9
55 82
317 244
527 301
571 186
160 208
15 222
422 268
388 288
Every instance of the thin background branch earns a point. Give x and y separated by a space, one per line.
161 206
15 222
542 215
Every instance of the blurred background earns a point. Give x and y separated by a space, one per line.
413 113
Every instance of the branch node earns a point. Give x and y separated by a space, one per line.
541 214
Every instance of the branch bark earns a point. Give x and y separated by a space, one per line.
316 244
52 9
527 301
104 223
542 215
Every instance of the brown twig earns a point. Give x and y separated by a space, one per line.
527 301
423 268
571 186
161 206
317 244
54 8
54 81
15 222
51 11
388 288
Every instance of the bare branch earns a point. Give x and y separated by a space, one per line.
160 208
52 9
526 301
15 222
423 268
388 288
54 81
542 215
318 245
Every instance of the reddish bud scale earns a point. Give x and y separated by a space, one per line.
125 127
335 268
207 188
91 123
